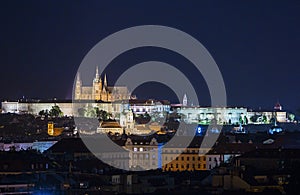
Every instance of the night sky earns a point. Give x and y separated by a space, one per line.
256 45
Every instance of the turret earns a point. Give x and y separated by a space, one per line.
78 86
105 81
97 85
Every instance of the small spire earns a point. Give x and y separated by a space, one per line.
184 101
78 77
97 74
105 81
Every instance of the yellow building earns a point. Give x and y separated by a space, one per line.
99 91
177 157
188 160
54 131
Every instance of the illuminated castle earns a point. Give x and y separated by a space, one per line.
99 91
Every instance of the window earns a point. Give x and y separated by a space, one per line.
204 166
209 159
193 158
135 149
182 158
187 158
141 149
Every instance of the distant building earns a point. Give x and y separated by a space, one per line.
224 115
99 91
277 106
184 101
110 126
143 154
68 107
149 106
40 146
75 148
179 158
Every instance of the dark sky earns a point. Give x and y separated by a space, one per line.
256 45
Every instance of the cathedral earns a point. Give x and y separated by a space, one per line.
99 90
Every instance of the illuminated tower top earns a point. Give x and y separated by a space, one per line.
97 75
277 106
105 81
184 102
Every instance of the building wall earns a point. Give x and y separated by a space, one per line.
68 109
179 159
223 115
226 115
143 155
149 108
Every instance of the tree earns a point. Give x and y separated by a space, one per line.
43 113
245 120
81 112
55 111
291 117
102 115
254 118
272 120
264 119
241 120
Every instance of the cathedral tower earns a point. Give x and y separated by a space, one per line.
185 101
78 86
105 81
97 86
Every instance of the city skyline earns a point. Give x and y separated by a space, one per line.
254 45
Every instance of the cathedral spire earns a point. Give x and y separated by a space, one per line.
97 74
184 101
78 78
105 81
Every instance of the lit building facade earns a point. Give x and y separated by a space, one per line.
229 115
143 155
149 106
184 159
99 90
66 106
205 114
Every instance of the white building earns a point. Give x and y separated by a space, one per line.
143 154
68 107
205 114
149 106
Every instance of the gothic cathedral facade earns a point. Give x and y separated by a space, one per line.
99 90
